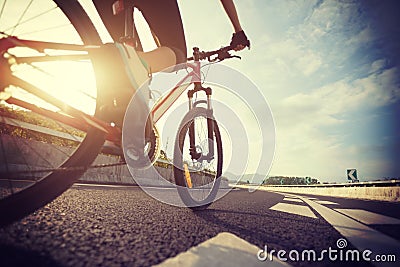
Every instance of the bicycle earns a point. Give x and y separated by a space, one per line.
34 112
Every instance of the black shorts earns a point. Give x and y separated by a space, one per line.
163 17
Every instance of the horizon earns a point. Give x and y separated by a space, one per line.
344 180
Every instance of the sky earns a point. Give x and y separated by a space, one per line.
330 73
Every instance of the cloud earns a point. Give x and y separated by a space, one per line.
329 71
312 127
378 65
308 63
377 90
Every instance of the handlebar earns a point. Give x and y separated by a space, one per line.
221 54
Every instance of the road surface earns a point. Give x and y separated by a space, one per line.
123 226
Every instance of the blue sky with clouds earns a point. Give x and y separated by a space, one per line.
330 72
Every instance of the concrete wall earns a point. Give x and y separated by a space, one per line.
120 174
37 155
153 176
391 193
384 193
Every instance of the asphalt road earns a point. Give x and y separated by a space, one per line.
92 226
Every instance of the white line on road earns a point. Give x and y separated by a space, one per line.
360 235
368 217
223 250
326 202
294 209
293 199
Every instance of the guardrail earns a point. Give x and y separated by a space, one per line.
358 184
374 190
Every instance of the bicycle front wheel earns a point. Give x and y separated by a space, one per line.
198 159
43 149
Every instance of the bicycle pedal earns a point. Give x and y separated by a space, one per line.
113 114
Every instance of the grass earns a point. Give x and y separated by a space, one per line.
36 119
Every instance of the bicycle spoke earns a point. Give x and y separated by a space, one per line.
48 58
49 130
2 8
45 29
3 150
27 20
27 145
35 132
42 45
203 171
44 95
22 15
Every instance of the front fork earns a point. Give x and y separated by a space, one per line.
199 156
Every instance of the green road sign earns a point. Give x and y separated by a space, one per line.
352 175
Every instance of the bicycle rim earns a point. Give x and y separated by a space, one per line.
42 155
198 180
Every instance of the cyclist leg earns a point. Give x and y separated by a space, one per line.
114 23
164 18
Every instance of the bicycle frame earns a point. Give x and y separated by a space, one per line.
193 77
81 120
43 156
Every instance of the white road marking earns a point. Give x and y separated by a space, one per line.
368 217
294 209
360 235
326 202
223 250
286 195
293 199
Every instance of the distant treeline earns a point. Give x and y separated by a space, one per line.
283 180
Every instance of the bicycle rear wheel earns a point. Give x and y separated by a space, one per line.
43 151
198 179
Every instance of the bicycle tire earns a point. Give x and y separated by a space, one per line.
49 187
179 172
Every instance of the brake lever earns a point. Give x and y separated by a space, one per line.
226 57
225 54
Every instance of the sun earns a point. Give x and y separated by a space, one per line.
72 81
